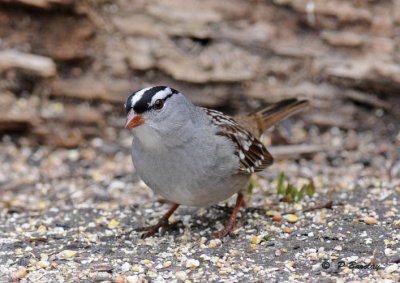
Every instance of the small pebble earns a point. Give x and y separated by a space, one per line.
181 275
277 218
291 218
214 243
43 264
257 239
271 213
192 263
21 273
132 279
390 252
370 220
235 253
137 268
125 267
67 254
42 228
391 268
113 224
347 270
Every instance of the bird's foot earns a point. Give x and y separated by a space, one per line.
162 226
227 230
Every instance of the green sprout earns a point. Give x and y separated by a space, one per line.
291 193
251 186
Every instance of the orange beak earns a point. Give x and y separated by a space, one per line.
134 120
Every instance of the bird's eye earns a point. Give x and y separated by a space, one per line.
159 104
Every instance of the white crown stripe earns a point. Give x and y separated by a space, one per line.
161 95
138 95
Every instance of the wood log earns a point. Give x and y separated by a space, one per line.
293 151
42 4
16 123
38 65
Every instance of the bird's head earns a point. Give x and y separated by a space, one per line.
160 108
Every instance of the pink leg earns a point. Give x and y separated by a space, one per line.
230 225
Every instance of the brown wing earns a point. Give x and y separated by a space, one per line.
253 155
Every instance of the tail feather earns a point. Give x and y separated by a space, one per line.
271 115
274 113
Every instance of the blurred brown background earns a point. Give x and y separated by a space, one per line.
70 199
67 66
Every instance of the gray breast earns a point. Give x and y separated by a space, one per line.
198 172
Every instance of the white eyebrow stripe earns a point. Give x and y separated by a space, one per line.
138 95
161 95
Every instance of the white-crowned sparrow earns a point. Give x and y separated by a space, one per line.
196 156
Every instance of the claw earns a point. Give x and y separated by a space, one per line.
163 224
160 228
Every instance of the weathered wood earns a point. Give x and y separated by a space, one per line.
43 4
82 88
20 122
294 151
232 55
38 65
331 120
366 98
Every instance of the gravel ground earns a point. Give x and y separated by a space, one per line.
70 216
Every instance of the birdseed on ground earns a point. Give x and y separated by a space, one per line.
71 215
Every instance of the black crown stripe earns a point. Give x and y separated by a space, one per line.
143 104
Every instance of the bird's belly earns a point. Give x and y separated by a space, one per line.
197 193
189 183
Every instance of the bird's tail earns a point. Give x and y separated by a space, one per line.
274 113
